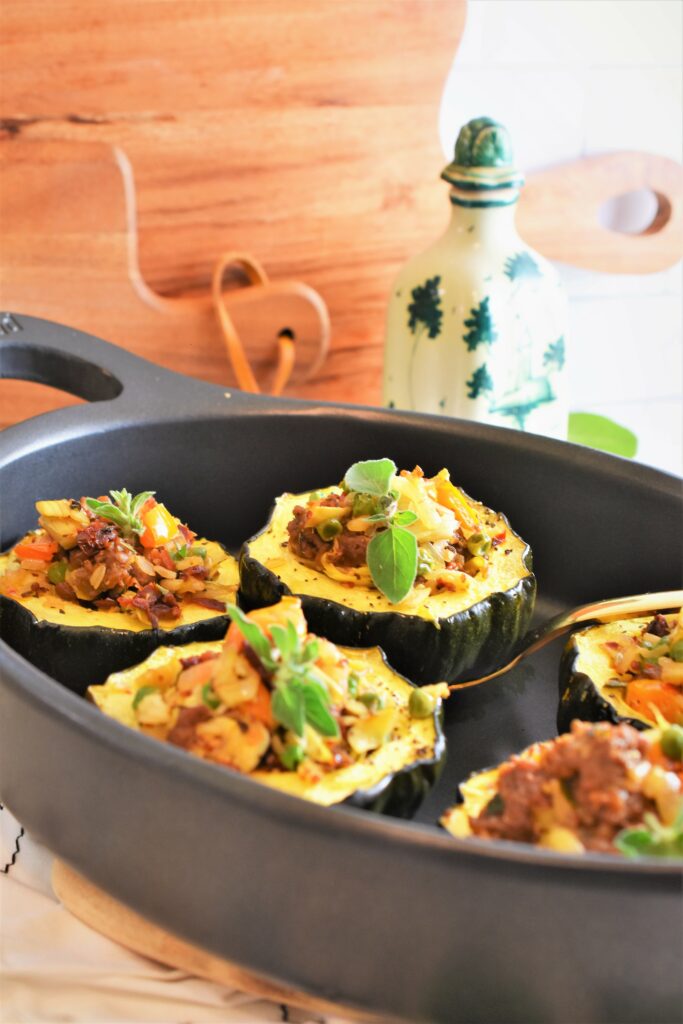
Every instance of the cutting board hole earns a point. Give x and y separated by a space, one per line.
287 332
640 212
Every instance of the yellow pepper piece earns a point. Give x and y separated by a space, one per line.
451 497
161 526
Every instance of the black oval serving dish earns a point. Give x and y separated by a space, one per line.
391 917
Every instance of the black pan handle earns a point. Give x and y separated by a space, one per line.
84 365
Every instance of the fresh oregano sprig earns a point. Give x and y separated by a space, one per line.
124 511
299 695
371 477
392 552
652 838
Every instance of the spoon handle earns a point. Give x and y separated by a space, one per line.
597 611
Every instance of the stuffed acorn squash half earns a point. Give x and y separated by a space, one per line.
629 670
601 787
289 709
102 582
408 563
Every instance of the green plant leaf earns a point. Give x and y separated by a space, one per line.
124 512
310 651
602 433
652 838
317 702
392 560
253 634
405 518
283 640
289 709
371 477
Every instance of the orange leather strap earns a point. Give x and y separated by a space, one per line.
244 374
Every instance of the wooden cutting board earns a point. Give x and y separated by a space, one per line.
141 139
304 133
107 916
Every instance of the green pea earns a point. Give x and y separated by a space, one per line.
671 742
421 704
57 572
363 505
291 756
329 529
372 701
388 501
676 651
478 544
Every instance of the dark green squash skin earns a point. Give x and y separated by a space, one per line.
80 656
580 697
465 645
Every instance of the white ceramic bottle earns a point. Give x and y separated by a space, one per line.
476 323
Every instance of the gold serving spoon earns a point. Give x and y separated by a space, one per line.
598 611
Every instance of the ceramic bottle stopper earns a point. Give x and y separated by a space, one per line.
476 323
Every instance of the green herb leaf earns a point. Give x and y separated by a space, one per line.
392 560
317 702
124 512
254 635
652 838
143 692
310 651
405 518
299 694
292 756
371 477
289 709
283 640
108 511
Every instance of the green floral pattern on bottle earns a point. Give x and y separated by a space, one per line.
425 309
480 382
518 404
482 330
553 357
521 266
424 316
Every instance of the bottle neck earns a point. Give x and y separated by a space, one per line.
486 220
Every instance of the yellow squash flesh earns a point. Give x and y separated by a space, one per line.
413 740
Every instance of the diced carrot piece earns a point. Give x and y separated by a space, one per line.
40 550
260 708
643 694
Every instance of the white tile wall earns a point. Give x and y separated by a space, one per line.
571 78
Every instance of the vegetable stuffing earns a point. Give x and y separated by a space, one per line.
118 553
403 533
279 703
601 787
